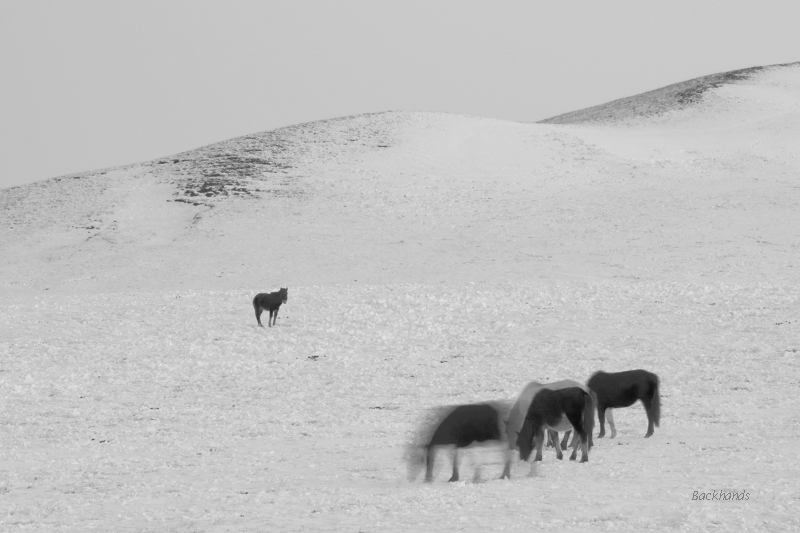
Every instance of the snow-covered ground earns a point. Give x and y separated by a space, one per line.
431 260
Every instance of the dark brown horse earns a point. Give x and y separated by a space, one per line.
519 411
462 426
557 410
623 389
270 302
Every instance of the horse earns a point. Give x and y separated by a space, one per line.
622 389
558 410
461 426
520 410
270 302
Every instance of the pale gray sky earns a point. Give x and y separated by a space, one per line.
92 84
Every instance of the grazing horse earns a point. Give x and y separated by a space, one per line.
622 389
520 410
460 427
270 302
558 410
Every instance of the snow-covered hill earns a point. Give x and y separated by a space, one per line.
702 192
431 259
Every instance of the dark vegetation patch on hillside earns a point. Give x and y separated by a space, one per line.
57 202
229 169
659 101
269 163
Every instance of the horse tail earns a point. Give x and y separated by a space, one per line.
255 302
655 404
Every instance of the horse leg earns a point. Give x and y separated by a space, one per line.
583 439
476 477
601 416
275 320
566 439
650 422
533 461
611 424
577 421
454 477
429 464
557 445
539 439
574 447
584 449
507 469
552 436
258 316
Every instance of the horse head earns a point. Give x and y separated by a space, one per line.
415 461
525 441
284 292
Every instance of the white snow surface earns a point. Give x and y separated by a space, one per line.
431 260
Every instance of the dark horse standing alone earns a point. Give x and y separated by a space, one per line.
622 389
270 302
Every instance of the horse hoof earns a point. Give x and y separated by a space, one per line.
585 460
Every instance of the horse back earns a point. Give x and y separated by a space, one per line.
466 424
550 406
565 384
268 301
520 410
623 389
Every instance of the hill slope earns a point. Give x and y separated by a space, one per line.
664 100
707 190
